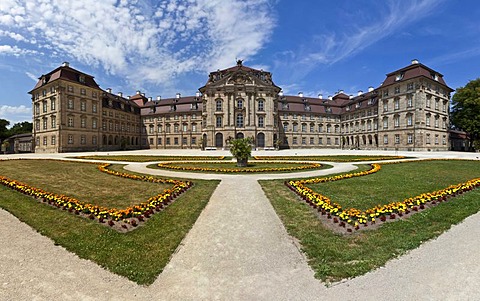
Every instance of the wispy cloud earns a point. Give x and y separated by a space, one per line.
332 47
456 56
15 114
143 41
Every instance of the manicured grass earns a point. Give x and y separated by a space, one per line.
334 256
146 158
229 167
82 181
396 182
139 255
339 158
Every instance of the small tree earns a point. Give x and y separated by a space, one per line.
241 149
465 111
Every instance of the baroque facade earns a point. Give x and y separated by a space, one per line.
408 111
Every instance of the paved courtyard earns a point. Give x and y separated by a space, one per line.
239 250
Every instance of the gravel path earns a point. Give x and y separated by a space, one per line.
238 250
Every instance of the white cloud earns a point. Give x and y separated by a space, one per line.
146 42
332 47
15 114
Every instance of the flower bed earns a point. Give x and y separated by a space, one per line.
180 166
128 218
352 218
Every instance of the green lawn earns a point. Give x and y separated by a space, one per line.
139 255
335 256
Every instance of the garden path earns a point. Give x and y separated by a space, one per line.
238 250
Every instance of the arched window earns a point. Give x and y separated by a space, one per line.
261 105
239 103
261 121
218 105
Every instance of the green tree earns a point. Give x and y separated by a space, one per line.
241 149
21 128
465 113
4 133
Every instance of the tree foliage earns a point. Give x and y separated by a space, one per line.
18 128
466 109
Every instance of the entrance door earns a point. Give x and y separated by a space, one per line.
260 140
218 140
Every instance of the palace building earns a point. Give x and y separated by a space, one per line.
408 111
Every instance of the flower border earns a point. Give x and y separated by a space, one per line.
158 158
353 217
168 165
129 216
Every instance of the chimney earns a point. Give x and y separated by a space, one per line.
178 95
350 96
370 89
320 96
128 96
414 61
143 94
360 92
159 98
280 93
109 90
138 92
197 94
150 99
120 94
330 97
300 94
340 92
65 64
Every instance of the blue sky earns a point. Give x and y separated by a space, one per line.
170 46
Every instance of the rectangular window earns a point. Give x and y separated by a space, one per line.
184 141
83 122
159 141
52 104
295 141
312 140
70 139
83 106
70 104
37 108
83 139
94 107
168 141
45 140
328 141
94 123
410 138
150 141
428 139
337 141
194 140
70 121
94 140
409 100
385 139
397 139
175 128
175 141
444 140
44 121
304 141
409 120
44 107
261 122
320 140
53 140
436 139
396 104
385 106
83 91
218 121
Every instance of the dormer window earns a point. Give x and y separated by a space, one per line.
399 76
81 78
434 76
